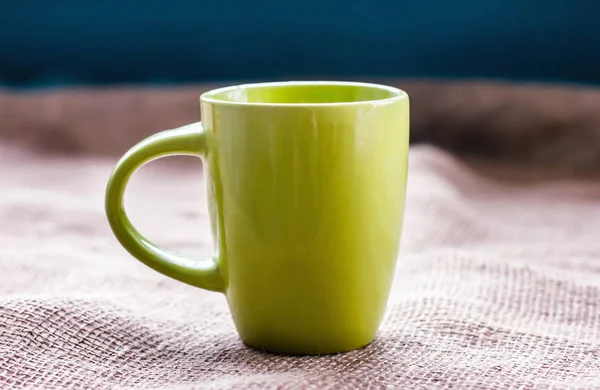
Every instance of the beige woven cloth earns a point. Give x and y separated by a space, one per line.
497 286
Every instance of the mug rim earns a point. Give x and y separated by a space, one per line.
397 94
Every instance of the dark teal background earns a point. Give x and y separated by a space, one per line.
49 42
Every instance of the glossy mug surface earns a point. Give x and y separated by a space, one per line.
306 187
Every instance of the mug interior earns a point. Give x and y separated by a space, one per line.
290 93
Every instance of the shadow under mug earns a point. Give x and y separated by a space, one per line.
306 187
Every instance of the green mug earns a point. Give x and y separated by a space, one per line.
306 186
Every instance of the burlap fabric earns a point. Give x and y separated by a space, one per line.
497 285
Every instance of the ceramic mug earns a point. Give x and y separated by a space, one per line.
306 186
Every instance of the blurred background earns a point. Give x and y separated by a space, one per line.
69 42
510 79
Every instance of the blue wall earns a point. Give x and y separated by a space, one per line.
131 41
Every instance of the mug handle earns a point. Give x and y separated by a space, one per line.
188 140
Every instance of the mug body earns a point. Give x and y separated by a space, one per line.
306 184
